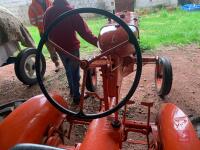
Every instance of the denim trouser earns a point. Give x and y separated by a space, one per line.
72 69
51 50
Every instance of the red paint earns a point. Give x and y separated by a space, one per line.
102 136
30 122
175 129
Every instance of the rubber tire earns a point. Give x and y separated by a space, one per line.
19 66
167 77
196 121
90 85
7 107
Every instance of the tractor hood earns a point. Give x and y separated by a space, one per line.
115 36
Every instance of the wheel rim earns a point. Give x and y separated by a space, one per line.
132 40
29 67
159 76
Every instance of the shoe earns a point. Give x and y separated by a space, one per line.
57 64
86 96
57 68
76 101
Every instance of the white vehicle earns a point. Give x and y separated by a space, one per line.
13 32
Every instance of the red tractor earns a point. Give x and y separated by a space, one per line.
37 123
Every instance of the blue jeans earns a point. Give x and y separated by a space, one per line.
72 69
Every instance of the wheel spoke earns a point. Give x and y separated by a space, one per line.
65 51
108 52
85 65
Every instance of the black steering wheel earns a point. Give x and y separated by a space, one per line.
85 64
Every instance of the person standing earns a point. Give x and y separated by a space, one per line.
36 13
64 35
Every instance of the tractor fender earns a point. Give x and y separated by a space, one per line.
30 122
175 129
101 135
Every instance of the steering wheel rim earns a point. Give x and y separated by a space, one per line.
132 40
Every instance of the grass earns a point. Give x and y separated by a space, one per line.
169 28
157 29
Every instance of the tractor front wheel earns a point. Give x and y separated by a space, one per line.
163 76
91 80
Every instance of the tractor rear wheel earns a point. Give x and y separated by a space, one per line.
163 76
25 66
91 80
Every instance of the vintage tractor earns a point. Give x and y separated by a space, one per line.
12 33
37 124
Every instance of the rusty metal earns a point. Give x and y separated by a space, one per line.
83 90
138 126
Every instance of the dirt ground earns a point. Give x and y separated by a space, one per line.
185 92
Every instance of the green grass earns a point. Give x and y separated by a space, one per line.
157 29
169 28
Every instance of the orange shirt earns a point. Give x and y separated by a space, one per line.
36 14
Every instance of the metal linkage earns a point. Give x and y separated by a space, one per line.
137 126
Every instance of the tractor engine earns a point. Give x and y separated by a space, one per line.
122 54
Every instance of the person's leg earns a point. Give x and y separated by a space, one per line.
65 61
75 68
53 54
73 74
